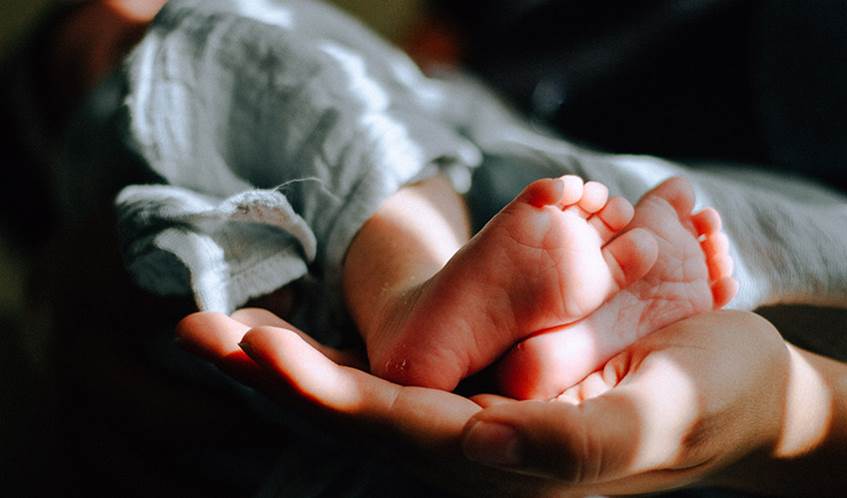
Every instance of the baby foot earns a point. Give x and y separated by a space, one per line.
550 257
692 275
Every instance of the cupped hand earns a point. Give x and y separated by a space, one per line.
422 427
679 406
698 401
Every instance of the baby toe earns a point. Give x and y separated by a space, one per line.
720 267
706 222
723 291
594 197
572 191
543 192
677 192
715 245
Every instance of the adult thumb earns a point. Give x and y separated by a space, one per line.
626 431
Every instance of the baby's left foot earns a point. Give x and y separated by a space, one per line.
692 275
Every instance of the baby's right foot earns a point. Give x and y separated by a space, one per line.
550 257
692 275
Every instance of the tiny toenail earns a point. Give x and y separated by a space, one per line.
491 443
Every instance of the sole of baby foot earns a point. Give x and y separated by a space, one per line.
553 255
691 275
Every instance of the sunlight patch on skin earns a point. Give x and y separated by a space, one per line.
809 407
672 405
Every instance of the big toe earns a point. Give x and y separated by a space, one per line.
543 192
677 191
723 291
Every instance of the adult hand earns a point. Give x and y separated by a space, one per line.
424 425
718 397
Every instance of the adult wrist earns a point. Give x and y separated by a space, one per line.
811 435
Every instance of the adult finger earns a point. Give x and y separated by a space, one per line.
215 337
257 317
426 418
210 335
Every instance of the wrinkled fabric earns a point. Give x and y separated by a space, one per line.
278 127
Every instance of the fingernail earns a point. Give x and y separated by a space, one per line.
493 444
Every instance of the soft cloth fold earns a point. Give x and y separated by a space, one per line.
271 122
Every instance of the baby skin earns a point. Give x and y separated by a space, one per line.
563 271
